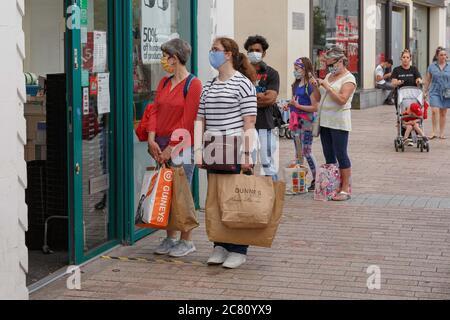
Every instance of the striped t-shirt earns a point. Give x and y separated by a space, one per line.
224 104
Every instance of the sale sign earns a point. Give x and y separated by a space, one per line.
155 29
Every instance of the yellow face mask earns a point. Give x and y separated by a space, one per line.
166 66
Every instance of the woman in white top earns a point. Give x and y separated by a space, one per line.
228 107
337 92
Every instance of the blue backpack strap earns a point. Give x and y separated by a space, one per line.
167 81
187 85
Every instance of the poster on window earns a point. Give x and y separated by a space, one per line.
103 94
100 62
155 29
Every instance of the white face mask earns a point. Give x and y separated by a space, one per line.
255 57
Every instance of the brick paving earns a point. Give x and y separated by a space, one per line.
398 220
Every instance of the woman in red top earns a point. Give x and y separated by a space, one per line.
171 126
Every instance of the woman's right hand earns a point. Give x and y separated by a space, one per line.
154 150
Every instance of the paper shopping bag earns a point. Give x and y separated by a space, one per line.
328 181
154 206
182 209
218 232
245 202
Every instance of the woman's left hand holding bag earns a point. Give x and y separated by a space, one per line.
154 150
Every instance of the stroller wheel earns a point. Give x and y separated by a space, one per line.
282 133
396 145
403 147
427 147
421 146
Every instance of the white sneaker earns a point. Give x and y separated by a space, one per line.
218 256
182 249
166 245
234 260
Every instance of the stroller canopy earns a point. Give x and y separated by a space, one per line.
408 95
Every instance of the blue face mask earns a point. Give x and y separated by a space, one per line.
217 59
298 75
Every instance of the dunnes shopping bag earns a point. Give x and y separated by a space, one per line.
218 232
245 201
154 206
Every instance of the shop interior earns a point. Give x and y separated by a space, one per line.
46 151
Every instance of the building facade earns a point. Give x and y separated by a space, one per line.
71 160
370 31
76 78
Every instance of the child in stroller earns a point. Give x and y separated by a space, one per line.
411 120
410 115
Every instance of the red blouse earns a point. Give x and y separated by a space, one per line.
172 111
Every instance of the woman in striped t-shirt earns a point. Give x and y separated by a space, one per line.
228 106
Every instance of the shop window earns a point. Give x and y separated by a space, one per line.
381 33
420 38
336 23
154 22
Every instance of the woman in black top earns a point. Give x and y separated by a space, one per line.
406 74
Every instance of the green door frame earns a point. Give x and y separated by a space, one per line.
132 236
75 146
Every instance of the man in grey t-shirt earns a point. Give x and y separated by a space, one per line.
382 79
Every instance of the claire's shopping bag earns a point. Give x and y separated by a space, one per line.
154 205
245 201
182 209
295 176
219 232
296 172
328 181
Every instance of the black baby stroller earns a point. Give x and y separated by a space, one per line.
405 97
281 120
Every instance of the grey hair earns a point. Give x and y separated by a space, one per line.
337 54
179 48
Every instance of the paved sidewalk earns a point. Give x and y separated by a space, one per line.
398 220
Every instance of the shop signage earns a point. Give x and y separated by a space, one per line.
84 12
155 29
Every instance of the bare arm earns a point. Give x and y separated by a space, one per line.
341 97
267 99
428 80
250 142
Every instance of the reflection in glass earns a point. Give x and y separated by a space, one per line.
336 23
95 125
381 33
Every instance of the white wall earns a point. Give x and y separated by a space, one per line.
438 23
44 34
215 18
298 41
369 34
13 211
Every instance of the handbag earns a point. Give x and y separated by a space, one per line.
221 153
446 93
